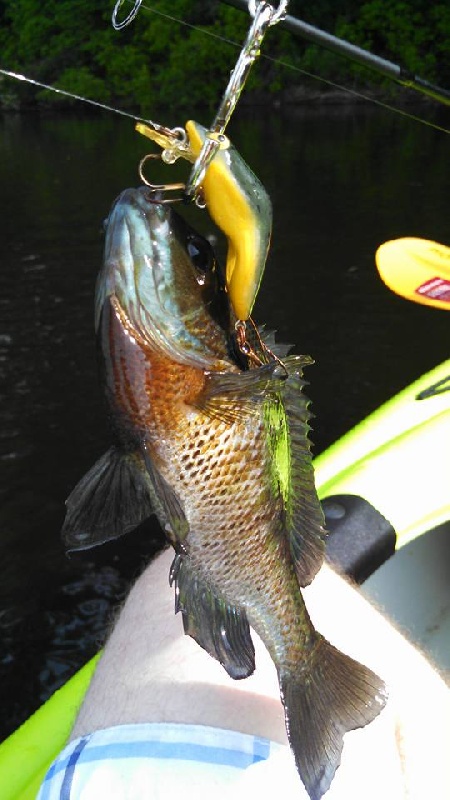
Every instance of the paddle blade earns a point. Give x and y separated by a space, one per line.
416 269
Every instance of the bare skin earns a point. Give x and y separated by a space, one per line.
152 672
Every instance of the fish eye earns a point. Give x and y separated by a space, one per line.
201 254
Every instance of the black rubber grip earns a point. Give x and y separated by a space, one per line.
360 539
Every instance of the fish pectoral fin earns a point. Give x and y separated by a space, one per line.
110 500
305 519
229 395
219 627
330 696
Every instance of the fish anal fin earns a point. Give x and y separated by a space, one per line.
110 500
333 696
305 518
219 627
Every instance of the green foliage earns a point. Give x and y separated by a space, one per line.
404 31
78 80
157 62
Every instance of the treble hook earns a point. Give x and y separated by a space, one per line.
159 187
118 26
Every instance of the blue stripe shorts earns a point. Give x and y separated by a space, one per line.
153 761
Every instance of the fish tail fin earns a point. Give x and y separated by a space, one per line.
334 695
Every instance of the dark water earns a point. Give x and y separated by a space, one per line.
341 183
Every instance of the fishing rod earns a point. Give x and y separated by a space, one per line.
350 51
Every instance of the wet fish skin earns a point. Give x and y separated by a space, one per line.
221 453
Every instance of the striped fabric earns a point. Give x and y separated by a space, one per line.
157 760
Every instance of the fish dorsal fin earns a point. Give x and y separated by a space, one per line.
304 516
111 499
279 349
219 627
227 396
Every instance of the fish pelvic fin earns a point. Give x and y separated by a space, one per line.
322 703
168 506
110 500
219 627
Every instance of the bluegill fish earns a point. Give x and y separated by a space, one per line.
218 448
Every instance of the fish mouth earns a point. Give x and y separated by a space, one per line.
145 264
142 232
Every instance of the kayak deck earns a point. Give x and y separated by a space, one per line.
413 589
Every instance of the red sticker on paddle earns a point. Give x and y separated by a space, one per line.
435 289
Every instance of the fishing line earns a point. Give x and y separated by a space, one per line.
332 84
19 77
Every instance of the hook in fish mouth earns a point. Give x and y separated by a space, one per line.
160 188
234 197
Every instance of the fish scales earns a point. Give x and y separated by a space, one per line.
227 496
218 448
223 481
